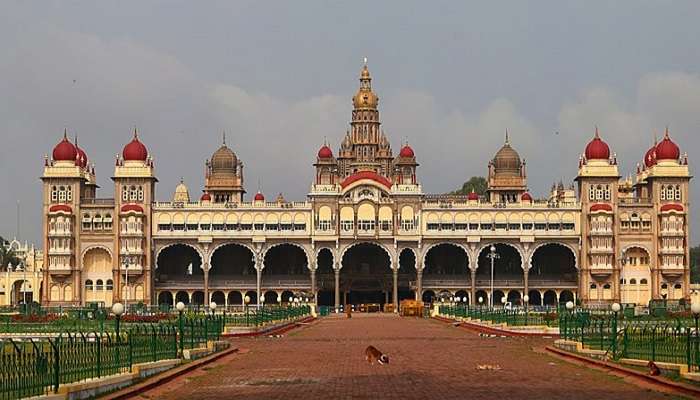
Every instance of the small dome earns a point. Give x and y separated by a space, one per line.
259 197
205 197
406 151
135 150
365 97
472 196
64 150
597 149
650 157
667 150
81 158
526 197
325 152
182 194
507 160
223 160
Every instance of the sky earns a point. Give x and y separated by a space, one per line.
278 77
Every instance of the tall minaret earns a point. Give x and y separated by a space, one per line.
365 147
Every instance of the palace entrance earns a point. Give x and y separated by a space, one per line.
365 276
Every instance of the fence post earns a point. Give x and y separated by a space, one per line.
153 342
98 343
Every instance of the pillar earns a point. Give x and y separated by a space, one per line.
395 293
205 267
336 272
472 295
386 297
526 286
313 286
258 280
419 284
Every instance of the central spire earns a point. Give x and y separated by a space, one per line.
365 97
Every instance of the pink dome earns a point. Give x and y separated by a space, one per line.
135 150
81 158
325 152
406 151
259 197
597 149
667 150
65 150
650 156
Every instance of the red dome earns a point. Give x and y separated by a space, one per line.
472 196
81 158
406 151
650 157
135 150
325 152
259 197
64 150
667 150
597 149
526 197
205 197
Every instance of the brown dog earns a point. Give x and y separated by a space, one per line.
653 369
372 354
348 311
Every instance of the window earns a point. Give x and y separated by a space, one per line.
568 226
302 227
487 227
643 281
164 227
593 286
62 194
109 285
540 227
54 194
606 286
98 284
347 226
125 193
633 281
599 192
677 286
678 193
88 285
591 193
527 226
365 225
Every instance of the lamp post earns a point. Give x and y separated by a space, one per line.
616 309
695 309
492 256
569 309
117 310
526 300
180 307
127 259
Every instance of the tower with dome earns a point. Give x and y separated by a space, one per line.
367 233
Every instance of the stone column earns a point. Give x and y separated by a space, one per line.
205 267
419 284
313 285
258 283
337 288
526 286
472 295
395 274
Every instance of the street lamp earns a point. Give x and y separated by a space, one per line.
117 310
246 300
492 256
212 307
616 309
504 300
180 307
526 300
695 309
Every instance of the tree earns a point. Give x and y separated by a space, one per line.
7 255
477 184
695 264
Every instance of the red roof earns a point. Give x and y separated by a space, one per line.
81 159
60 208
672 207
259 197
526 197
64 150
601 207
325 152
650 157
135 150
132 207
597 149
366 175
407 152
205 197
667 150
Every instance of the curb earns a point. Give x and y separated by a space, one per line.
670 385
496 331
275 329
166 376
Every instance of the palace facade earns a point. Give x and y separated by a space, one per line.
367 233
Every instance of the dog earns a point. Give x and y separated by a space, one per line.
372 354
348 311
653 369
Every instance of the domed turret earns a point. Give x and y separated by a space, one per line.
205 197
597 149
526 197
406 152
667 149
135 150
365 97
325 152
507 160
259 197
650 156
65 150
223 160
182 194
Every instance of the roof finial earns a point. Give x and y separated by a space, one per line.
507 138
224 137
136 133
666 133
656 139
597 135
65 133
182 179
365 59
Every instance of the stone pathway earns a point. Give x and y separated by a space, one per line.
428 360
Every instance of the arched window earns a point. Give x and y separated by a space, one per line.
677 286
54 194
125 193
98 284
88 285
643 281
594 286
606 286
664 286
633 281
109 285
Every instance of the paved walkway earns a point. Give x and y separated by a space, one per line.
429 360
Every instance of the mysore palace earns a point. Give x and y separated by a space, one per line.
366 233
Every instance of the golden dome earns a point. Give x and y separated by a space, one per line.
365 97
181 193
223 160
507 160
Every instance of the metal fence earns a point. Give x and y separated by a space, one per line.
265 315
513 317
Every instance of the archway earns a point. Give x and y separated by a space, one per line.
182 297
97 267
535 298
550 298
232 262
22 292
566 296
252 296
407 274
286 295
365 276
446 264
325 278
270 297
463 297
514 297
235 298
553 262
198 298
219 298
507 267
428 296
179 264
635 279
498 296
285 263
165 298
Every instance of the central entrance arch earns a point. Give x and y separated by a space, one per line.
365 275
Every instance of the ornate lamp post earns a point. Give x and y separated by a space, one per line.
695 309
526 300
246 300
616 309
117 310
180 307
569 316
492 256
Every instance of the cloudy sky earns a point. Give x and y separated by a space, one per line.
278 78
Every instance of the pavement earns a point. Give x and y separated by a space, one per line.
429 359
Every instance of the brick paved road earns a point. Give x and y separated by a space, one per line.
429 359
